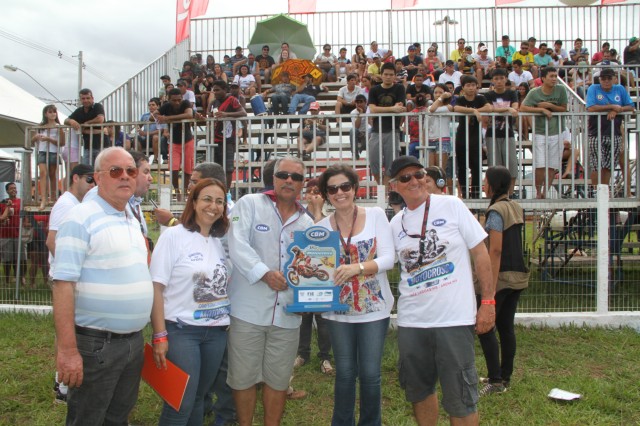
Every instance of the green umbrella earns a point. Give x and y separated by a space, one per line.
278 29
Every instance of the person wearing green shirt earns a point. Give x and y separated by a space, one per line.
547 148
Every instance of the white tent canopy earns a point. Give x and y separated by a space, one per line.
18 110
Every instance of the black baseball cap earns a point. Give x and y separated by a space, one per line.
82 170
402 162
607 72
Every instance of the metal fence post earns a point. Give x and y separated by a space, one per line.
602 265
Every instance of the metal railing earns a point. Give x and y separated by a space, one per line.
392 29
259 138
396 29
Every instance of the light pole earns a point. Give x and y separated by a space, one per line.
446 21
13 68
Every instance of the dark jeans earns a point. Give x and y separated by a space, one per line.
224 406
475 164
198 351
89 156
357 349
324 342
279 104
506 306
109 390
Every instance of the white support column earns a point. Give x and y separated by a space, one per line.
164 200
602 301
382 197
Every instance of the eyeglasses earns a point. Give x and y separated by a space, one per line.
344 187
419 175
209 200
296 177
89 179
313 191
115 172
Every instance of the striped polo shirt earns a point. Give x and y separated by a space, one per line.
102 250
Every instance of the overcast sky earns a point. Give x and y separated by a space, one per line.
117 37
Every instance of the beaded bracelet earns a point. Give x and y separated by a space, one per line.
161 334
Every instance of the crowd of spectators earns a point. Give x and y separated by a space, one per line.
417 74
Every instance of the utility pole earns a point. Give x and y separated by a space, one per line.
80 64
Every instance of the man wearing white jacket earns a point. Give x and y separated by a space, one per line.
263 338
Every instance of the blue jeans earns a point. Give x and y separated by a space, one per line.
198 351
298 98
109 390
357 351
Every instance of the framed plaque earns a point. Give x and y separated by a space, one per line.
314 256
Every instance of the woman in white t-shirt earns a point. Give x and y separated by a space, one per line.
246 81
357 334
190 313
48 138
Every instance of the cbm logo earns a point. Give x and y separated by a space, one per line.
262 228
438 222
317 233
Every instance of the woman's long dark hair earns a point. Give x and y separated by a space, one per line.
499 180
46 109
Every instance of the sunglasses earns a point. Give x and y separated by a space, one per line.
115 172
344 187
314 191
296 177
89 179
419 175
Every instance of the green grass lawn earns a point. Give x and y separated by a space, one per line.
600 364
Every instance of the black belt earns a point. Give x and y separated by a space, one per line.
103 334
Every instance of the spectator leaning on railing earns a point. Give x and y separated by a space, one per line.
547 147
612 99
93 138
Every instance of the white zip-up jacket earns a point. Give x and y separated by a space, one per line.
258 242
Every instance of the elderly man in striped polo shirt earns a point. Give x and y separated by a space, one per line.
102 296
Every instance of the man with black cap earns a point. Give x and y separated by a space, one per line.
612 99
80 182
437 317
411 61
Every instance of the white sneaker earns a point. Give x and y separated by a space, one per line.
299 362
326 367
151 158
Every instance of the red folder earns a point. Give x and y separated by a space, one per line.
170 384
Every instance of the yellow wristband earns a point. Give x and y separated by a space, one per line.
172 221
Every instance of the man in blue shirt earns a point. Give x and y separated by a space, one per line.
612 99
505 50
